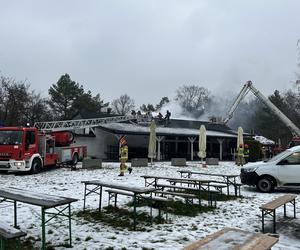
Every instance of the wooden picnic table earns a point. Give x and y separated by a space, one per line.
229 179
233 238
45 201
153 180
98 185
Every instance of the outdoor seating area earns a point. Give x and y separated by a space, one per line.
151 194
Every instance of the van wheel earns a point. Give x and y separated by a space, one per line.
265 185
75 159
36 166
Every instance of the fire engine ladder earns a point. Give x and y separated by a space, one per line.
79 124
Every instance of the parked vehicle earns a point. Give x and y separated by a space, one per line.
283 170
28 150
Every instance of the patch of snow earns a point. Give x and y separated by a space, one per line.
243 213
263 140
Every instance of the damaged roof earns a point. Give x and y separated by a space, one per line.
173 127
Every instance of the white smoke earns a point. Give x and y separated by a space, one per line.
177 112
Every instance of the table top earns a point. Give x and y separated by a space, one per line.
211 174
190 180
232 238
34 198
156 176
133 189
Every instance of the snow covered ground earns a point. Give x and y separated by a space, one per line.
242 213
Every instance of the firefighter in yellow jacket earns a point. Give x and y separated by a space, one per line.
123 156
240 156
246 153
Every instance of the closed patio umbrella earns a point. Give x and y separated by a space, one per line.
240 139
202 143
152 142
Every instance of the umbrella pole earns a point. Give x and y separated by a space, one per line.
203 164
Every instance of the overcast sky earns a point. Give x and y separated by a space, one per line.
148 49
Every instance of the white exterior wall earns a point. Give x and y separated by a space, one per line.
97 146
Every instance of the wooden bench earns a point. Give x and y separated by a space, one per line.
113 194
270 208
233 238
8 232
211 193
223 184
187 197
215 184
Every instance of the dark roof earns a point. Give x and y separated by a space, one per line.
192 124
172 127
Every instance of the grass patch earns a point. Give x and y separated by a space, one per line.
88 238
25 244
119 218
175 207
205 195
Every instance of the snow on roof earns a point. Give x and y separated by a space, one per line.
136 129
263 140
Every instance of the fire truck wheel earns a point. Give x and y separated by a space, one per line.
75 159
36 166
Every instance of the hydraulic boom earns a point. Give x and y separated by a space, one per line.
249 86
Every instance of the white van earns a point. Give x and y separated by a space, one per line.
283 170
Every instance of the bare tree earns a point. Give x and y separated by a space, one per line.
123 105
37 109
193 99
13 101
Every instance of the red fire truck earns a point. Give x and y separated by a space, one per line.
27 149
30 149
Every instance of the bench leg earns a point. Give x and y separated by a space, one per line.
43 229
84 197
15 215
294 203
151 213
2 244
70 224
274 221
284 210
227 182
263 221
100 198
134 211
116 199
159 211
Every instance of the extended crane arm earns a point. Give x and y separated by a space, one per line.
79 124
249 86
292 127
236 102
